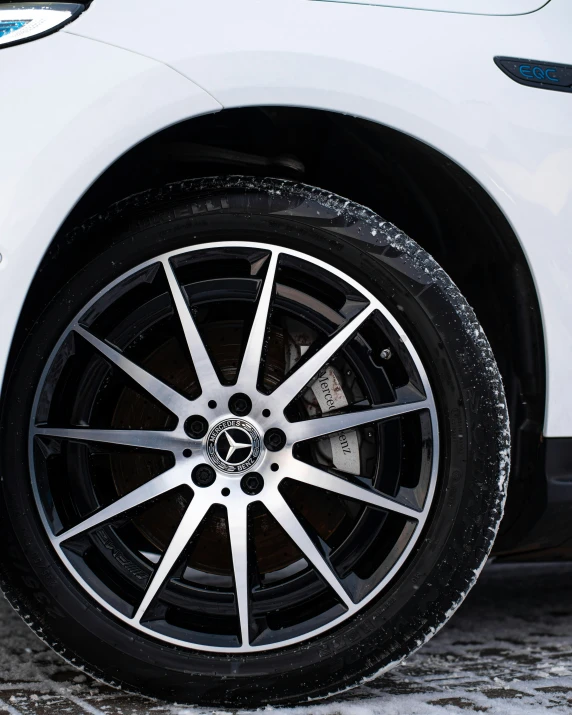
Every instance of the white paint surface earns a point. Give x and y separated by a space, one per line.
471 7
428 74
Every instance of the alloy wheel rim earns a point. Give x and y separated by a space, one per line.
271 469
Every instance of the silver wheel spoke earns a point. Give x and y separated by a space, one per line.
206 373
189 523
170 479
252 358
292 385
160 440
319 426
280 510
315 477
238 535
159 390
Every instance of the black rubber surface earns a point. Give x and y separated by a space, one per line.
474 448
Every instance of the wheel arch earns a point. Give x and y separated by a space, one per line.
423 191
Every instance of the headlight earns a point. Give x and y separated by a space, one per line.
21 22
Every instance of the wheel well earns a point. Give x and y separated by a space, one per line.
423 192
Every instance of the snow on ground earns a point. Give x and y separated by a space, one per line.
507 651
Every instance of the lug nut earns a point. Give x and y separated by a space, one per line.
240 405
252 483
274 439
196 427
203 475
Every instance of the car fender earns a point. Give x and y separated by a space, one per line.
431 75
70 108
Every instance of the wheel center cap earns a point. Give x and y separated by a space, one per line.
233 445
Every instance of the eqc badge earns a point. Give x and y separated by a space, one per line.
543 75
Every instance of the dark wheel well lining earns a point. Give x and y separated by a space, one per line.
423 192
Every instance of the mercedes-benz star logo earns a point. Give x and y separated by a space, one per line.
233 445
236 452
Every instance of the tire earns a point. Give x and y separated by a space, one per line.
319 635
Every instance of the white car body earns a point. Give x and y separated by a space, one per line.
75 101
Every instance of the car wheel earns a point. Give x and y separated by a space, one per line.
255 452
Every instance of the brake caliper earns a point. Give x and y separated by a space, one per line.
330 395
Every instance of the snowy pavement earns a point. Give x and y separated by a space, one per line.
507 651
